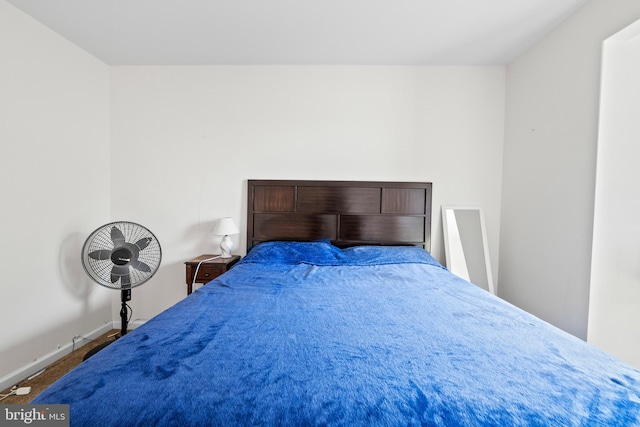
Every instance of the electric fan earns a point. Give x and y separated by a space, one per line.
121 255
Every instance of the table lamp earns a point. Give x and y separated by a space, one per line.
225 227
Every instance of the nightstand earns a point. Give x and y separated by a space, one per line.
208 270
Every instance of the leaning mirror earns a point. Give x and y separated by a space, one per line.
465 245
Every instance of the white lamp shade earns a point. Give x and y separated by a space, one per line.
225 227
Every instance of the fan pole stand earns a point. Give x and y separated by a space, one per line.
124 314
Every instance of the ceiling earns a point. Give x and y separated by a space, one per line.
354 32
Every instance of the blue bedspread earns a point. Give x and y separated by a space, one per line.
297 335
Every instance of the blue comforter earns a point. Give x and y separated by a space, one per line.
308 334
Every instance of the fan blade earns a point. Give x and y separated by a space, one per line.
119 271
117 237
100 255
143 243
141 266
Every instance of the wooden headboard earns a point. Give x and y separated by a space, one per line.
347 212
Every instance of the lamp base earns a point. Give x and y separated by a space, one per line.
226 246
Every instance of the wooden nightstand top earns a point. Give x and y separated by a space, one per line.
196 260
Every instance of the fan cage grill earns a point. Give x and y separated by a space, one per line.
100 270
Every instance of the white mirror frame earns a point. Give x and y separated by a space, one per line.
465 245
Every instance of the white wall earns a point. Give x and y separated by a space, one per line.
54 188
614 309
186 139
549 166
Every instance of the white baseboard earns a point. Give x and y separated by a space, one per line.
24 372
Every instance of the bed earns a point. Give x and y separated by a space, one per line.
338 315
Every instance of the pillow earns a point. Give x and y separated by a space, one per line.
377 255
323 253
320 252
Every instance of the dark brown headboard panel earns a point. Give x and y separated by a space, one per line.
347 212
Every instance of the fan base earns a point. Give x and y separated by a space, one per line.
95 350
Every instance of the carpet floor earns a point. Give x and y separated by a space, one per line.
54 371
